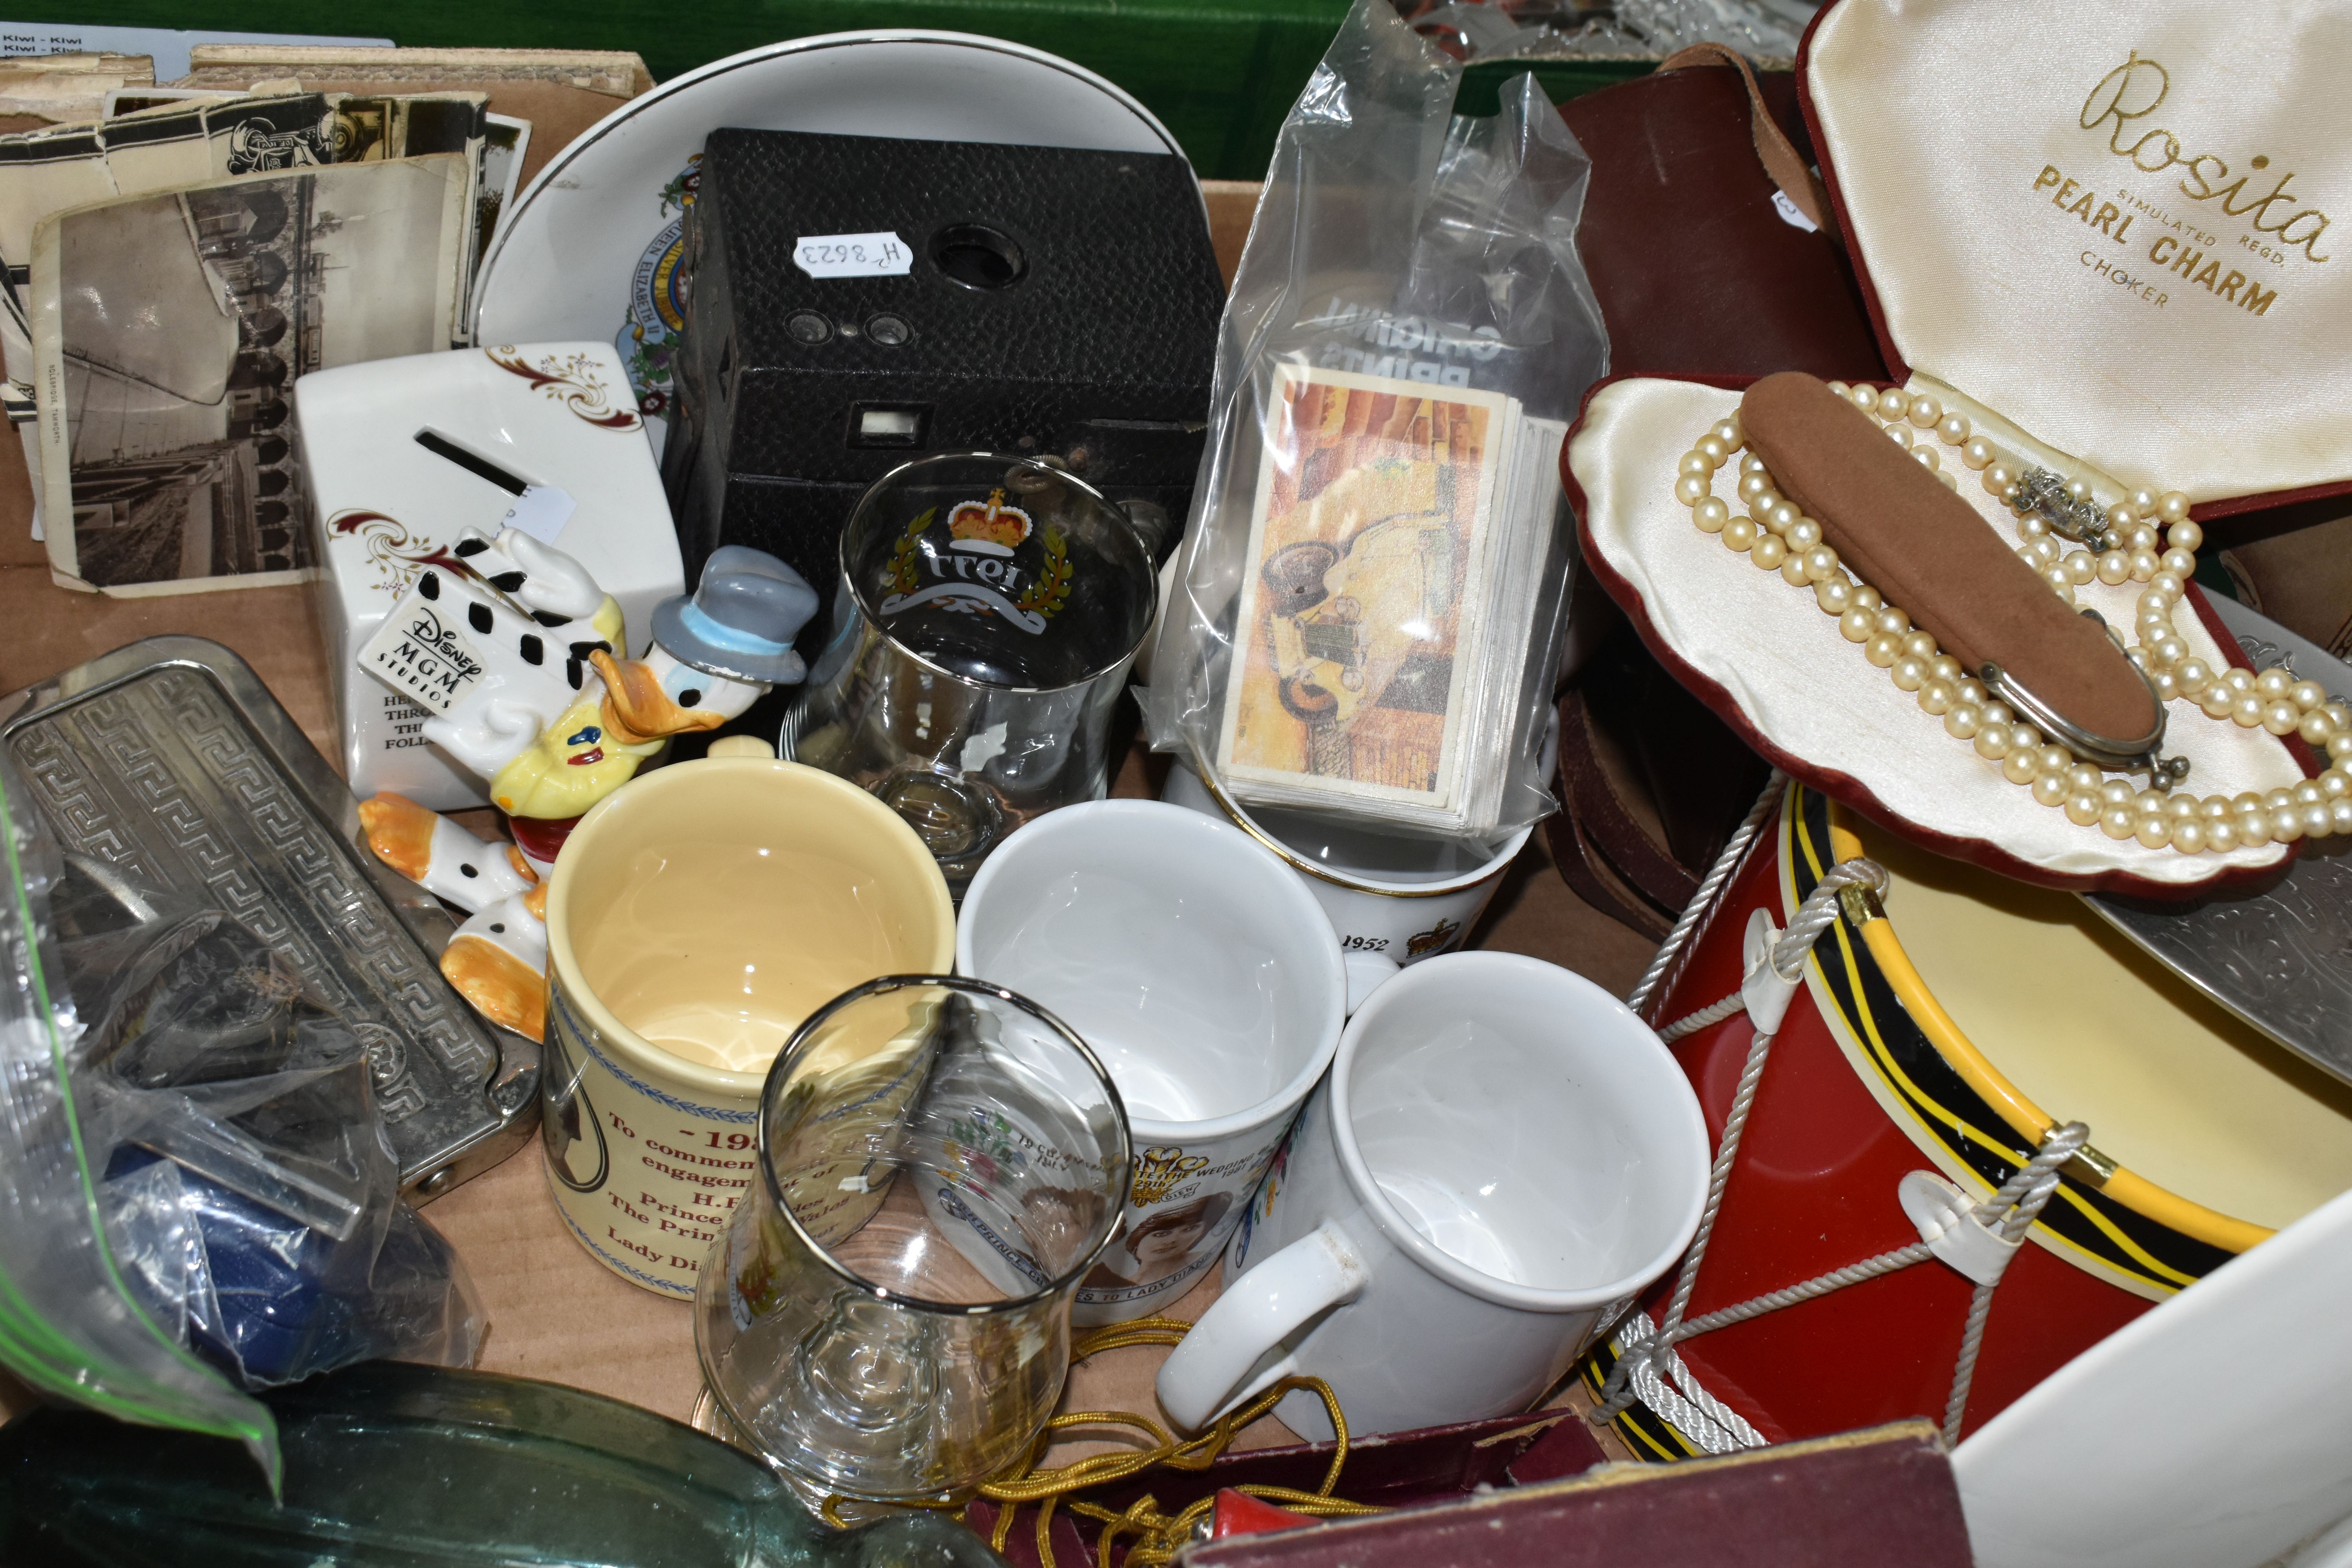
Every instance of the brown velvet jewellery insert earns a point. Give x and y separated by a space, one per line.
2103 277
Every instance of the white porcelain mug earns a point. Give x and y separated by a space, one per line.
1209 981
1502 1158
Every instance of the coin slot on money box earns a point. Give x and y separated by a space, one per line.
473 462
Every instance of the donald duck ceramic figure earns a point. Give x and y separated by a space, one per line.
713 655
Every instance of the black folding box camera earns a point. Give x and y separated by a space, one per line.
1050 300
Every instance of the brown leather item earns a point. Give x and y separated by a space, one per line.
1650 785
1697 271
2301 580
1773 149
1597 810
1927 551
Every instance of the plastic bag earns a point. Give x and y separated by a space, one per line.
1366 616
196 1175
1628 29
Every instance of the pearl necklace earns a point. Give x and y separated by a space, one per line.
2121 540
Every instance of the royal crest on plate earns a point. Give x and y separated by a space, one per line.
657 296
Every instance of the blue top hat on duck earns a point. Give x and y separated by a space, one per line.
724 648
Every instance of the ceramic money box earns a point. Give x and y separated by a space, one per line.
404 455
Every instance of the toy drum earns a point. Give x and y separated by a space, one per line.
1948 1029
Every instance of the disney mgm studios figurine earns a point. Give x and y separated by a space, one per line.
521 661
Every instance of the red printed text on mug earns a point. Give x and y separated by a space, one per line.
700 1168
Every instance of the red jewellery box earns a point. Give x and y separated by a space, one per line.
2102 239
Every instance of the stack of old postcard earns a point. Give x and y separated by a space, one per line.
174 266
1397 541
174 269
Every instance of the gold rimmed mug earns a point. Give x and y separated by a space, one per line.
1402 897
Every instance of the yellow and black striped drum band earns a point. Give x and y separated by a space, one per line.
1650 1434
1871 1011
2115 1226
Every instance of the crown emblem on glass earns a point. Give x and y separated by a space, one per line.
990 527
1158 1171
1015 624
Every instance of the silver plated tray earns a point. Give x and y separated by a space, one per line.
2279 957
169 761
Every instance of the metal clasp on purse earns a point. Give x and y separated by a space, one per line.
2085 522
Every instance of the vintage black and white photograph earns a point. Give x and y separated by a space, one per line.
169 330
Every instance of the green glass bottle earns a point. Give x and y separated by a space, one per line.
393 1464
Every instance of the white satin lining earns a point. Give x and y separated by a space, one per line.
1812 694
1937 117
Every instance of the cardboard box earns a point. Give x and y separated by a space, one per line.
554 1313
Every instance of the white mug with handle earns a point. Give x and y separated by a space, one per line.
1211 984
1502 1158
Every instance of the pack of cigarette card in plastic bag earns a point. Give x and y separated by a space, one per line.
1367 612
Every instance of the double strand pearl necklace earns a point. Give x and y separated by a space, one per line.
2121 540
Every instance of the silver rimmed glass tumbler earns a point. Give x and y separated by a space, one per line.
886 1316
988 610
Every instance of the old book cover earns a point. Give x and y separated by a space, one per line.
1884 1495
613 72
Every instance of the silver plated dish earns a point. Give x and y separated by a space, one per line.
2279 956
169 762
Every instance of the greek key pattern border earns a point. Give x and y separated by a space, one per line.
166 750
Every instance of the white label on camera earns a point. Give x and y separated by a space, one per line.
881 255
1792 214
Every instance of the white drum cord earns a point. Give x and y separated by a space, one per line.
1734 849
1976 1239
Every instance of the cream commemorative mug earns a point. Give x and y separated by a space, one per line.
694 919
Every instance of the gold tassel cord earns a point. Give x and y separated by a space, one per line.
829 1510
1158 1536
